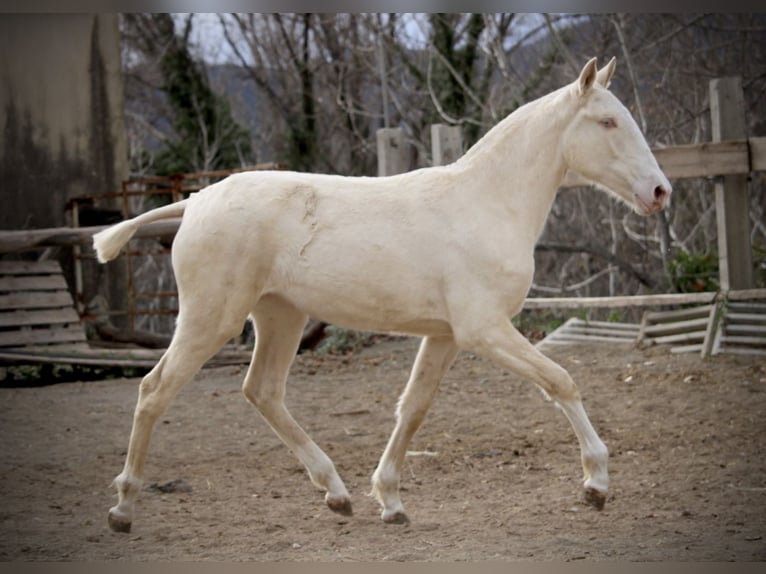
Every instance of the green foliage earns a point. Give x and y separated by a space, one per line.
458 62
302 129
615 316
207 136
40 374
339 341
694 272
460 58
535 324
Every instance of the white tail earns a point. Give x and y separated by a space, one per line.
108 242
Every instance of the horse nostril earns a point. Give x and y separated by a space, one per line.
659 193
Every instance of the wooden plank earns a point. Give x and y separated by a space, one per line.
687 348
743 309
25 356
29 267
747 308
106 357
680 338
677 327
229 353
746 317
743 340
550 337
23 337
624 301
65 348
39 317
704 160
32 283
23 240
678 314
574 338
36 300
708 159
80 348
739 328
604 332
607 325
576 330
746 294
639 300
711 332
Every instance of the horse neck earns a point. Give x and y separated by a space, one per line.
519 162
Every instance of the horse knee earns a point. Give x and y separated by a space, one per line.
560 386
150 404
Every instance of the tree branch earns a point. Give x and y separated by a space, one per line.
602 254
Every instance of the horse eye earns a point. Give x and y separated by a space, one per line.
608 122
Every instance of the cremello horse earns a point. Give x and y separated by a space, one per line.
445 253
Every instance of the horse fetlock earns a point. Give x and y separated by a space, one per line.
595 465
128 487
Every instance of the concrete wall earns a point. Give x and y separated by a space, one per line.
61 113
63 132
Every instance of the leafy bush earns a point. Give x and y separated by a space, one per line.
694 272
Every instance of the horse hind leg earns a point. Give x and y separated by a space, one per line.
279 326
193 343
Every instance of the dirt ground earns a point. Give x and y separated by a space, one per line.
501 480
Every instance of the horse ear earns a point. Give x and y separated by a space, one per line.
587 76
604 76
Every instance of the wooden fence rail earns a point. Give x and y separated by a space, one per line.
710 159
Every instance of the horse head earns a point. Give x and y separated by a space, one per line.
604 144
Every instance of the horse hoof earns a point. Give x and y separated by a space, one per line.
595 498
340 505
119 524
396 518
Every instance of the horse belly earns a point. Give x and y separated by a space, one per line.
370 299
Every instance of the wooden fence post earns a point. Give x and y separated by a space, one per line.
446 143
393 152
732 197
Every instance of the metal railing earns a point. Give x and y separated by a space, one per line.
150 283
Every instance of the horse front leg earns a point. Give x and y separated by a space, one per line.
434 359
503 344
